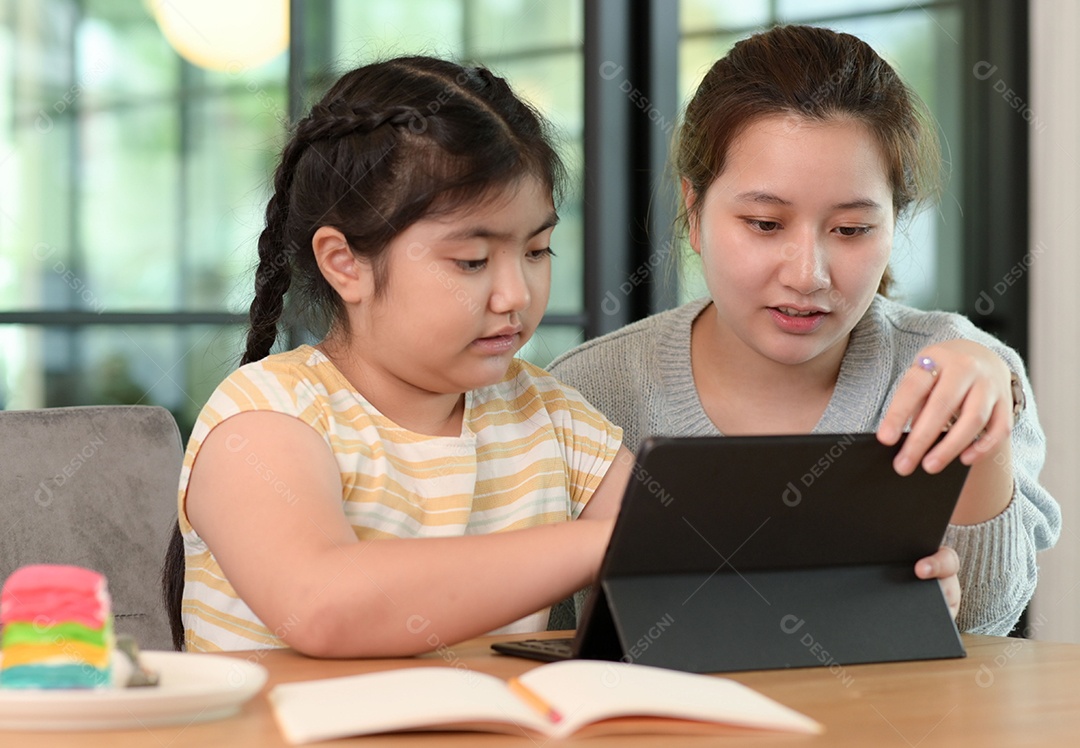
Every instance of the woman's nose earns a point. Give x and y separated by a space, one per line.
804 265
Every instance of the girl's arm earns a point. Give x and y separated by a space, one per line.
607 498
291 554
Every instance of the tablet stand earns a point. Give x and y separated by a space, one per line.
731 554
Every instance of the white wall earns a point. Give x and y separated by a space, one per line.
1054 357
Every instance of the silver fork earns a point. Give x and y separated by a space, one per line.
140 674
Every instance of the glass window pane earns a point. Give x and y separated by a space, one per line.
568 239
690 273
696 57
554 84
35 155
235 140
129 203
122 56
801 10
35 216
549 342
715 15
372 30
499 27
208 354
175 367
270 75
43 34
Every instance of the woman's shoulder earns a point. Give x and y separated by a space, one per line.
632 342
918 327
932 324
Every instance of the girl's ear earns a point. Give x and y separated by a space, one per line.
692 217
348 274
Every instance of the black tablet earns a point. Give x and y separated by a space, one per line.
738 553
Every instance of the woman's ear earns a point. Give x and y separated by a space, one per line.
348 274
692 217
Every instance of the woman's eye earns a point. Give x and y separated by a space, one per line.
765 227
539 254
853 230
471 265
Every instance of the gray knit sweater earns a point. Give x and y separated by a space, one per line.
640 377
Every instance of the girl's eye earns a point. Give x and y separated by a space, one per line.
852 230
540 254
471 266
765 227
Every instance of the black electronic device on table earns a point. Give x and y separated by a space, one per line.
759 552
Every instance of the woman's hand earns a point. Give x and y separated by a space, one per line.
957 386
943 566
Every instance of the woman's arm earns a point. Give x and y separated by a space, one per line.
965 390
1003 516
298 558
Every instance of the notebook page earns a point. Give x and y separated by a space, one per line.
397 700
584 691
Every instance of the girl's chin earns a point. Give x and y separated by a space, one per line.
492 372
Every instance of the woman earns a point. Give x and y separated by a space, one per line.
799 152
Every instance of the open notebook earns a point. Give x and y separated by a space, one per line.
746 553
552 701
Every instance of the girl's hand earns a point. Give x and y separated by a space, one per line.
957 386
943 566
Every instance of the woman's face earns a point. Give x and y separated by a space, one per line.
795 235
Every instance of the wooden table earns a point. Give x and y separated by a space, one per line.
1006 692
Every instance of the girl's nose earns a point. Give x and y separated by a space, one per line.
510 292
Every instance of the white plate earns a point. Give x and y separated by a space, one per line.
193 688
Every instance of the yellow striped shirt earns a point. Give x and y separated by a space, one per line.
531 452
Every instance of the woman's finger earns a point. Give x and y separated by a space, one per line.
944 401
910 397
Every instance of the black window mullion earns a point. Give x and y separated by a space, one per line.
70 385
995 175
631 58
654 205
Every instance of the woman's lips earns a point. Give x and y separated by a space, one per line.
798 321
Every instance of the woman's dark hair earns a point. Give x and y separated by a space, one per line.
390 143
818 74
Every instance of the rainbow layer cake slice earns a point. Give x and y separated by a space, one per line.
57 628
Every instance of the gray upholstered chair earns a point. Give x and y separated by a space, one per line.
96 487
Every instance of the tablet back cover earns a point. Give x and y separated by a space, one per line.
738 553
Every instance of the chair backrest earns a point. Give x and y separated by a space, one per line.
96 487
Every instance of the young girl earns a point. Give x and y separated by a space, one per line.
799 152
404 483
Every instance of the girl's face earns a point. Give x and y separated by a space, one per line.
795 235
464 292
